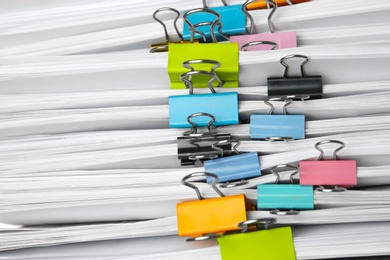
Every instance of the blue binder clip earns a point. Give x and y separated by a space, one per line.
235 167
223 106
207 22
277 127
195 147
284 196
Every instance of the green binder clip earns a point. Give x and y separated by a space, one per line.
225 53
269 243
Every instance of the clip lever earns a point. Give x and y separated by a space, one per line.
163 47
215 23
255 42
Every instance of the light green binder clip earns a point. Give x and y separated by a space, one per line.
274 243
225 53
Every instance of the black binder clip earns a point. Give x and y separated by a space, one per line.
194 147
296 88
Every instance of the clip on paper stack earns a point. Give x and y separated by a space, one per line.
277 127
195 147
263 4
277 197
164 46
269 243
223 106
236 167
303 87
233 19
339 174
225 54
209 218
274 40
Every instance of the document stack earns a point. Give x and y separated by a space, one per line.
219 129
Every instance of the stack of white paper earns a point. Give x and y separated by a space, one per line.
88 163
89 27
310 242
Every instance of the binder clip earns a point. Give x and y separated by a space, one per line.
194 147
223 106
303 87
264 4
209 218
163 47
265 243
277 40
208 22
209 30
284 196
277 127
339 174
233 168
226 54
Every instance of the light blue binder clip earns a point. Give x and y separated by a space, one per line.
235 167
278 197
207 22
277 127
223 106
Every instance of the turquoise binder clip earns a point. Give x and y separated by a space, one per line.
207 22
235 167
223 106
284 196
277 127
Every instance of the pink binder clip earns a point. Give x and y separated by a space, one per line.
328 172
265 41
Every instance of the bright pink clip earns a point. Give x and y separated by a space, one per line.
328 172
265 41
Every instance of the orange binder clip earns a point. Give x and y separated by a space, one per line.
209 218
264 4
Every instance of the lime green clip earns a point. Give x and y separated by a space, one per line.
274 243
225 53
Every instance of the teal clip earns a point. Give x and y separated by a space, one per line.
284 196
